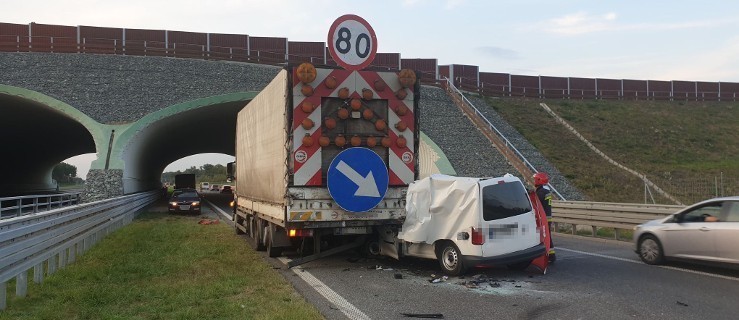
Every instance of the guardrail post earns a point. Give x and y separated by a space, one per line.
3 295
21 284
51 265
62 259
38 273
72 253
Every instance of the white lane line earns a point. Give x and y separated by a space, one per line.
642 263
334 298
226 215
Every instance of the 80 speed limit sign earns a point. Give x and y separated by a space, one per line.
352 42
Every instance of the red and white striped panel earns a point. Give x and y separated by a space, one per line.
401 160
307 160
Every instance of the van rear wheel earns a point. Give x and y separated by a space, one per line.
450 259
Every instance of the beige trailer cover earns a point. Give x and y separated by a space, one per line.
440 205
261 144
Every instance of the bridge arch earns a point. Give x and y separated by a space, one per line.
36 133
146 147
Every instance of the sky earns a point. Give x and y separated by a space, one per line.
656 40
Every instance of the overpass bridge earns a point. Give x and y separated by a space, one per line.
138 114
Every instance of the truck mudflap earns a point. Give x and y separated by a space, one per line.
511 258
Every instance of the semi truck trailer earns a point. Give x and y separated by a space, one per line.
325 156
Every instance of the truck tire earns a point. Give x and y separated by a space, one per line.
272 251
450 258
256 233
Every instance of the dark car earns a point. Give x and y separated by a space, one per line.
214 187
227 189
185 200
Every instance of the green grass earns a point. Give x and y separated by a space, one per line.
684 147
164 267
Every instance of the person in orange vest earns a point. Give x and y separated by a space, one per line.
541 179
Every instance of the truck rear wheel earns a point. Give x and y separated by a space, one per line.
272 251
450 258
256 233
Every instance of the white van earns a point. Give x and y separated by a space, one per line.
467 222
204 186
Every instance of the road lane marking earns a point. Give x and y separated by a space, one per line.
228 217
334 298
642 263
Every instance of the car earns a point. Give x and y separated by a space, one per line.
215 187
707 231
185 200
226 189
204 186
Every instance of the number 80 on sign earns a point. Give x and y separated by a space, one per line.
352 42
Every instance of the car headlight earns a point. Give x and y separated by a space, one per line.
173 203
196 203
637 227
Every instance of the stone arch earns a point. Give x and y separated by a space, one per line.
144 148
37 132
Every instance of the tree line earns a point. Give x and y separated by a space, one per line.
205 173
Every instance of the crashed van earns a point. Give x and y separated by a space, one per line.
467 222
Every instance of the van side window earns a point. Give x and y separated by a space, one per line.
504 200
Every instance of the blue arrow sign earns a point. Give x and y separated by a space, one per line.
357 179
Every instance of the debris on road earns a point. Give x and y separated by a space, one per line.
682 304
437 279
398 276
208 221
424 315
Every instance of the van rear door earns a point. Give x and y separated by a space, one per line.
508 220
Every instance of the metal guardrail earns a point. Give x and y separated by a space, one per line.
48 241
508 143
12 207
607 214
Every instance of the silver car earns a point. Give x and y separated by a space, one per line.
708 231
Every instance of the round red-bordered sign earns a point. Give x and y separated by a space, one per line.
352 42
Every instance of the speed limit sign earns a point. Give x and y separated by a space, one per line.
352 42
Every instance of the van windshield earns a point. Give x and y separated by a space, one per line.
504 200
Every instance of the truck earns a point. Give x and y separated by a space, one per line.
324 157
184 181
465 222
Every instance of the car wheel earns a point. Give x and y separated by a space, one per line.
520 265
450 259
650 250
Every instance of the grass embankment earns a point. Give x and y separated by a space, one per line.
686 148
164 267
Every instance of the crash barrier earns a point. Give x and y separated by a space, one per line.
48 241
623 216
12 207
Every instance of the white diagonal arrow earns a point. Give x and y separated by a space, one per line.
367 185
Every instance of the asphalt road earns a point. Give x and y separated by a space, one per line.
592 279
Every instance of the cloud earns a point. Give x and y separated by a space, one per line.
448 4
582 23
498 52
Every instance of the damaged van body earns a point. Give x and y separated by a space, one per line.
467 222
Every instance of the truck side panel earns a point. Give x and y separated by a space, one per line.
261 145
